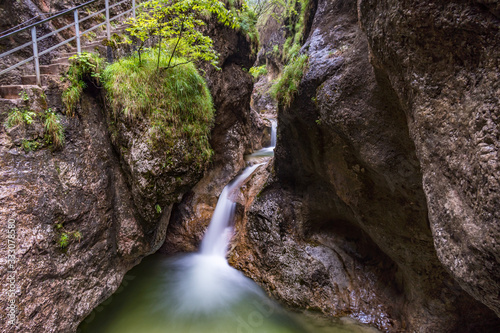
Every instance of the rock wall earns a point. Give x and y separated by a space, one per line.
442 60
347 223
81 188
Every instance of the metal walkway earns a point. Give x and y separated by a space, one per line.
77 34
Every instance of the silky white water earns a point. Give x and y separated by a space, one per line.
200 292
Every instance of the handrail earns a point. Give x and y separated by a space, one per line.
76 23
48 19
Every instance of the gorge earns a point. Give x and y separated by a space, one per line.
380 203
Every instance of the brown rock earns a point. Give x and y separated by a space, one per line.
343 226
442 60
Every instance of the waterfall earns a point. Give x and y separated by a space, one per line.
274 125
199 292
220 228
205 282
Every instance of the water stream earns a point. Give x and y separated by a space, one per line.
200 292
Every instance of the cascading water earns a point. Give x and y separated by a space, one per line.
200 293
219 230
274 126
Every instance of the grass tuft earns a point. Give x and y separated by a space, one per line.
287 86
258 71
54 131
20 116
176 100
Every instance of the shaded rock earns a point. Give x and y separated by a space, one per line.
442 60
343 227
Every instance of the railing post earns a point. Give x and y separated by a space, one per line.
77 31
108 23
133 8
35 56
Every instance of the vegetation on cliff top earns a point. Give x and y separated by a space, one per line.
286 87
175 101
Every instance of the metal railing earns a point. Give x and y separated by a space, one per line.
78 35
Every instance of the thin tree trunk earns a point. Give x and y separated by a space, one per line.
159 53
175 47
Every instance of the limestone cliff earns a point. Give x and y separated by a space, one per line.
381 202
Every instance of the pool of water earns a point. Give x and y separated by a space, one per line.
196 294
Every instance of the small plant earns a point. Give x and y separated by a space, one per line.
24 96
54 131
258 71
65 237
30 145
19 116
158 209
86 67
63 240
287 86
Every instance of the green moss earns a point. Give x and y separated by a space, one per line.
176 101
287 86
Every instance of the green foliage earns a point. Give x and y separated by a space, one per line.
247 18
294 17
258 71
175 100
158 209
30 145
86 67
64 237
287 86
54 131
63 240
24 96
19 116
177 25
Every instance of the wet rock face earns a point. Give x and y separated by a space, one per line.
343 227
110 198
442 60
82 189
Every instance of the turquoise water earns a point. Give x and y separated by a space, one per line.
150 300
